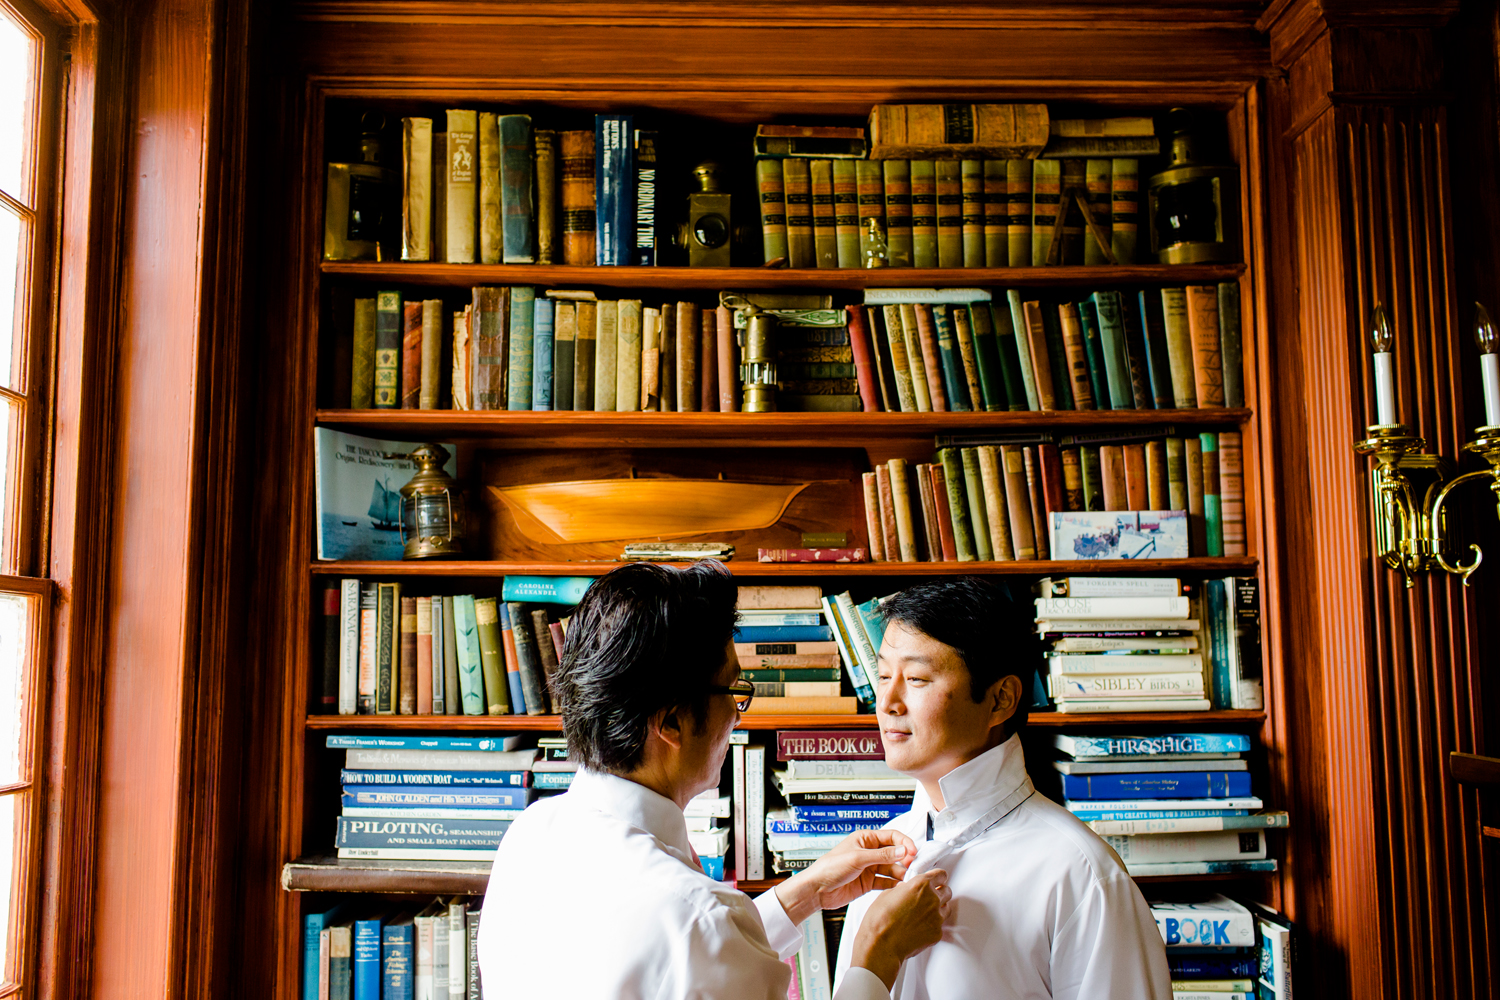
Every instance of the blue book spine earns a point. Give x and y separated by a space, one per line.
823 826
1089 816
1218 643
347 741
883 814
614 186
713 868
546 589
783 633
1116 361
1157 785
518 387
552 779
442 779
1212 966
396 960
954 380
644 251
515 189
874 624
367 959
541 354
1093 349
416 796
1137 746
455 834
312 927
512 677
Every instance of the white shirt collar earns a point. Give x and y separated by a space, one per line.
975 788
636 805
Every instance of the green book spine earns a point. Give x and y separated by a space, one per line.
516 186
846 213
390 323
825 229
992 373
772 208
1074 178
1023 348
1057 358
1005 352
1092 469
387 648
528 655
1046 176
628 356
950 213
491 656
1093 346
466 653
797 189
1135 354
971 180
1153 331
1232 351
954 383
1112 338
924 248
606 351
897 212
522 314
1097 177
979 516
1179 340
963 530
362 387
1018 200
1124 193
1213 516
996 214
564 351
871 204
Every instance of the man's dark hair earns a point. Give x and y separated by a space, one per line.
643 638
991 631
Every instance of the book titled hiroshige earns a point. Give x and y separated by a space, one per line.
812 555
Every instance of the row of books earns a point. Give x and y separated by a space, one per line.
975 350
1164 498
385 652
830 213
363 951
1139 644
1221 949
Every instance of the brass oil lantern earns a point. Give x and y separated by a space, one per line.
1192 206
432 508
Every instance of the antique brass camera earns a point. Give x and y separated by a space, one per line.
707 233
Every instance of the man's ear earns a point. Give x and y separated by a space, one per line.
1004 698
666 725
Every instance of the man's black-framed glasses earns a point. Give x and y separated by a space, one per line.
743 691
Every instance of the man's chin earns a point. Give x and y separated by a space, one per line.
903 758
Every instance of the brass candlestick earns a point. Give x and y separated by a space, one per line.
1397 533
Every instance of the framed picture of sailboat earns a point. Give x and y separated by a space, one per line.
359 494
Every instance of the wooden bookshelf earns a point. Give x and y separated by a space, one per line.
1207 565
716 278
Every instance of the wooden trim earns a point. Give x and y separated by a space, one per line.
1472 769
1222 565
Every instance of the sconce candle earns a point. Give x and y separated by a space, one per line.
1385 384
1489 363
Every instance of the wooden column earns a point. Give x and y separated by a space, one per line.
1384 866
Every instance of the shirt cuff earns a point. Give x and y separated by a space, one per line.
783 935
860 983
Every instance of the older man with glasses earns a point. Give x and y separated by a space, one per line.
597 893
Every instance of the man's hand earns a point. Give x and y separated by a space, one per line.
901 922
869 859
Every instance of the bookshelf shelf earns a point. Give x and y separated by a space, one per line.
553 723
766 430
1220 565
716 278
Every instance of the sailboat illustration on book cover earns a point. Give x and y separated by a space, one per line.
359 494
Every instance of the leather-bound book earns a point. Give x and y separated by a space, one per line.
1203 327
1053 495
708 362
650 397
407 702
487 347
1137 486
515 189
522 344
864 365
1124 193
416 189
541 630
387 648
390 323
796 182
687 330
771 184
971 181
874 528
1232 492
968 356
491 202
461 188
1072 473
992 481
1112 465
950 213
411 356
533 678
924 251
846 213
1039 531
462 379
1018 502
932 365
577 195
606 355
1157 495
921 389
897 174
728 361
996 214
1041 365
548 237
903 131
362 383
888 526
931 549
585 343
1179 344
431 378
1096 174
1018 207
825 229
871 205
942 511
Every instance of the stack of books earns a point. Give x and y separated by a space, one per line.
349 953
833 783
858 631
786 647
1178 804
1211 948
707 818
429 798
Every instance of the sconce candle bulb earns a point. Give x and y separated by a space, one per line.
1385 386
1488 340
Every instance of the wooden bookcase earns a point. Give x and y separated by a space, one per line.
335 66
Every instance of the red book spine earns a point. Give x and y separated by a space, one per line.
512 662
411 356
812 555
829 744
887 511
1053 493
944 514
1034 486
864 364
873 526
556 629
708 362
729 383
1137 493
927 337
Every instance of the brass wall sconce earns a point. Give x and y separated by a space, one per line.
1409 536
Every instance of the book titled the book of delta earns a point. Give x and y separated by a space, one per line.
358 484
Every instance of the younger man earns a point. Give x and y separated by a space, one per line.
1041 906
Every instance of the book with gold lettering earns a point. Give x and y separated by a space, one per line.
577 197
491 656
846 213
825 228
411 355
389 326
950 213
1018 209
924 251
898 233
797 190
771 183
954 131
461 187
1203 328
971 179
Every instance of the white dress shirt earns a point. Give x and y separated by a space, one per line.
596 894
1042 908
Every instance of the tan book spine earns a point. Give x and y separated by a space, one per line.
438 240
992 480
904 131
1033 466
729 361
1072 470
432 354
689 327
916 368
1076 353
491 206
585 344
606 355
964 334
1137 490
888 514
806 705
906 535
1097 175
1157 496
932 365
666 340
1179 347
463 164
996 213
424 655
411 356
547 234
971 179
873 526
897 177
932 549
1041 365
797 186
1112 467
1177 489
825 228
708 361
1203 327
416 189
577 194
1197 529
461 381
650 388
362 386
950 213
895 335
1018 502
1232 492
628 357
407 702
984 548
